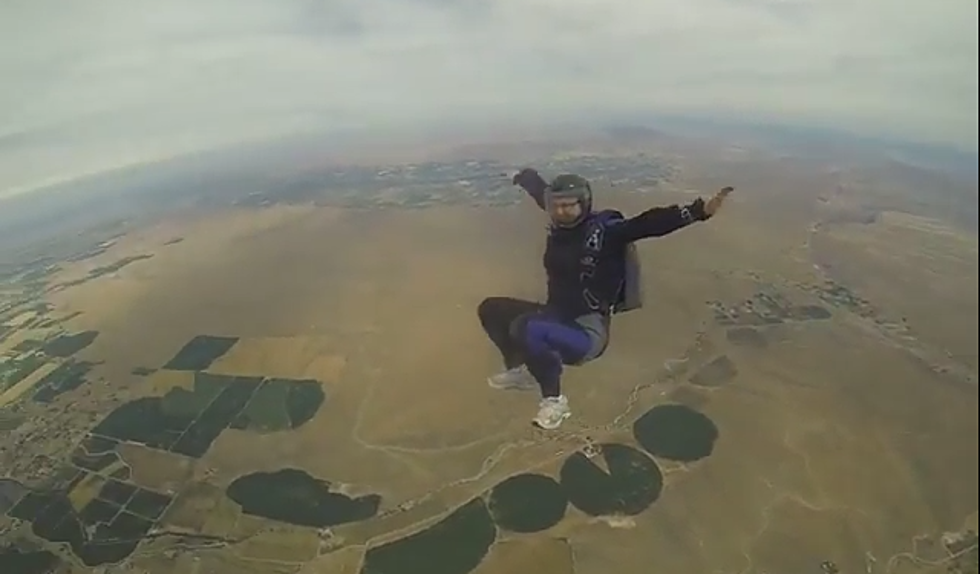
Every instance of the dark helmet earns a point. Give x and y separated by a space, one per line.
571 186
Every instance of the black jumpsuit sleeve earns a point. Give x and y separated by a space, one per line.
658 221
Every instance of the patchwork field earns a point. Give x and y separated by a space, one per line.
301 389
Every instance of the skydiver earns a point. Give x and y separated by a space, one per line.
592 273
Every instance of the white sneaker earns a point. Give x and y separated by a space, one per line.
552 411
518 379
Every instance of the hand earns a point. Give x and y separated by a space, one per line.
522 177
530 181
714 204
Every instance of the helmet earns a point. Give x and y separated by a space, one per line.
570 186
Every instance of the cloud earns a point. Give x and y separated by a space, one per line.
90 85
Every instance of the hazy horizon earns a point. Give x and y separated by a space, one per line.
97 86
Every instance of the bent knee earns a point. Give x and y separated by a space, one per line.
535 333
488 308
547 336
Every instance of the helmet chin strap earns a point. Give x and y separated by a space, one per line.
570 225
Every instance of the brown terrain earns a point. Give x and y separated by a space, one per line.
846 444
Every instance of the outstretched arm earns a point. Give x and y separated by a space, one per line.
531 181
660 221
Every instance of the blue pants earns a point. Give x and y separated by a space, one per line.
527 334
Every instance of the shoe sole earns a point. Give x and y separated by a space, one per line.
511 387
538 424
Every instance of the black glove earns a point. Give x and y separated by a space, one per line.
529 179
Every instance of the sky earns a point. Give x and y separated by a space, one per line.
88 86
